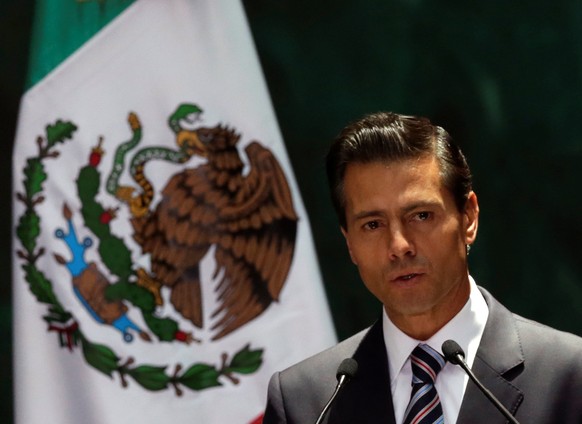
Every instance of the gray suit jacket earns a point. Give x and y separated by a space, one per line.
535 371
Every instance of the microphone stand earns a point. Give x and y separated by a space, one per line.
345 372
455 355
331 399
486 392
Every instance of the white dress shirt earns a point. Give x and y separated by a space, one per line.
466 328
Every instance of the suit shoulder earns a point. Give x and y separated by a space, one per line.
548 341
549 334
531 334
328 360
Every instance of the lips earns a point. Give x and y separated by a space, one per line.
406 276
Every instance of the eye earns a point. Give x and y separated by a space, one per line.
422 216
371 225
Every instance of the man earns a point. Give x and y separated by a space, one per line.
407 211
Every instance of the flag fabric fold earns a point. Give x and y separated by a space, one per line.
163 261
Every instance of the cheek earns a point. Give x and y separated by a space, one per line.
452 254
373 281
455 233
446 247
371 268
351 251
370 255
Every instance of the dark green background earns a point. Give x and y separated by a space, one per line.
504 77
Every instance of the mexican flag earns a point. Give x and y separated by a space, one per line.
163 262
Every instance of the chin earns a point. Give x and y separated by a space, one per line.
411 305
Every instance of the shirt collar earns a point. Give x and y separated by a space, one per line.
466 328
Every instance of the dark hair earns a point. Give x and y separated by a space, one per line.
389 137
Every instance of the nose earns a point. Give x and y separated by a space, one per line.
399 244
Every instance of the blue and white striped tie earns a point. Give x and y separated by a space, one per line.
425 405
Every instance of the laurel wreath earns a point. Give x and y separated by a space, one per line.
197 376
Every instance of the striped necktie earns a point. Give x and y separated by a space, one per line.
425 405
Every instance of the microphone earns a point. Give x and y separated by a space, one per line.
345 372
455 355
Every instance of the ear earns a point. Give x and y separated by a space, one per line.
471 218
346 237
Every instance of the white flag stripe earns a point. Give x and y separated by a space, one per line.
152 58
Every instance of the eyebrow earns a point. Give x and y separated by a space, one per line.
416 205
422 204
367 214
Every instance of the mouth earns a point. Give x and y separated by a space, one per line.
406 278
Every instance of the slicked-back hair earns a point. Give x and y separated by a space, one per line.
387 137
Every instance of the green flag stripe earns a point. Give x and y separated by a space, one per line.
61 26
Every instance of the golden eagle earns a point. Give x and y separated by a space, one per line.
249 219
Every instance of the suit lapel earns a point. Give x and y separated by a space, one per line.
499 359
367 398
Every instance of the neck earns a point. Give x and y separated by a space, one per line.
424 325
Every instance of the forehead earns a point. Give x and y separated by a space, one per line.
394 184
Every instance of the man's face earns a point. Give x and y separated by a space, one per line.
408 239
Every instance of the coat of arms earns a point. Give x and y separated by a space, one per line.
241 214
